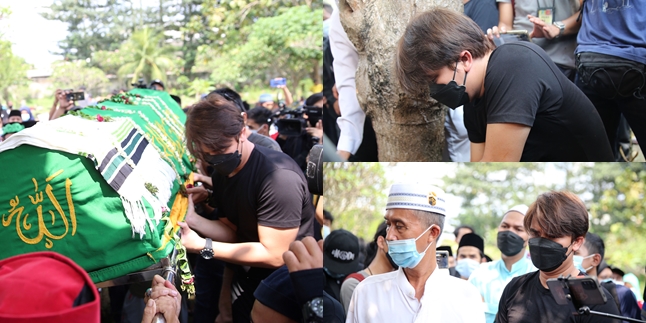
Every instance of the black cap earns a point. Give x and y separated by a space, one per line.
445 248
341 252
157 82
473 240
15 113
617 271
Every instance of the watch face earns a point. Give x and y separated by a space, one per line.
206 253
316 305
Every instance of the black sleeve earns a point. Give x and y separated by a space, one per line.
475 120
609 307
501 316
307 284
516 78
280 201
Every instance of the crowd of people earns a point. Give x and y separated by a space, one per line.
251 219
399 276
573 92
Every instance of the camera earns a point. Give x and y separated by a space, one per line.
141 84
293 123
74 96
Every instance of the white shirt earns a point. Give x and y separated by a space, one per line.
345 64
458 146
390 298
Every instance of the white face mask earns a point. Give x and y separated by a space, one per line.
25 117
326 231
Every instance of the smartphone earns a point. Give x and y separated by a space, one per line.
75 96
581 291
277 82
442 257
511 36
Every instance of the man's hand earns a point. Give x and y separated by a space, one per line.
63 103
495 31
164 299
542 30
190 239
199 192
304 254
316 131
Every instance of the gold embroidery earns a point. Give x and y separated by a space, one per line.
43 231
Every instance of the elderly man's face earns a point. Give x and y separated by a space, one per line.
404 224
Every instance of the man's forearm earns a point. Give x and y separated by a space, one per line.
214 229
253 254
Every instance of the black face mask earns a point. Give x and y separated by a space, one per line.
452 95
546 254
509 243
224 164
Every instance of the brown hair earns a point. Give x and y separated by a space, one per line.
212 122
433 40
558 214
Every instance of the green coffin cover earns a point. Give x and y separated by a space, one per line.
58 199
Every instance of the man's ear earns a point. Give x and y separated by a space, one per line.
381 243
467 60
244 117
578 242
435 233
596 260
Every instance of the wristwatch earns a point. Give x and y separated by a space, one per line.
207 252
561 26
313 310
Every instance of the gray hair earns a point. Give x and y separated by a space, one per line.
430 218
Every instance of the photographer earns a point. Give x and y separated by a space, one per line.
62 104
298 146
262 200
259 120
557 224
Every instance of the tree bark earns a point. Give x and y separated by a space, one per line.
407 128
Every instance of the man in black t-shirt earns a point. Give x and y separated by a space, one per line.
557 224
518 105
261 196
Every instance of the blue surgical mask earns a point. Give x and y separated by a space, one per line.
404 252
466 266
578 263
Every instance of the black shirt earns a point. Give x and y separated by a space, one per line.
525 300
270 190
523 86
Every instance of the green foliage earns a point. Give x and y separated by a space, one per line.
284 45
13 71
145 56
74 75
488 190
355 193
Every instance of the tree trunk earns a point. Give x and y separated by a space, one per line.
407 128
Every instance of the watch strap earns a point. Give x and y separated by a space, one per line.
209 244
561 26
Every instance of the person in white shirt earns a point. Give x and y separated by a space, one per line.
418 291
492 277
345 63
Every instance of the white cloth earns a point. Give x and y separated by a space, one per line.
345 64
458 146
391 298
